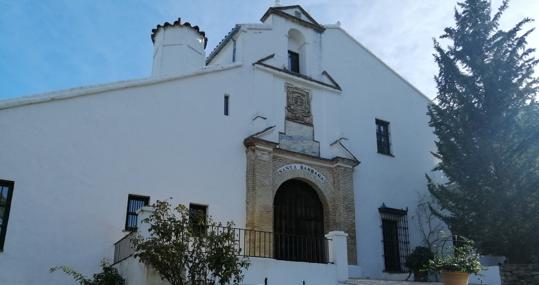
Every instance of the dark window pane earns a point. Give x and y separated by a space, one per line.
226 103
197 217
382 137
6 192
293 61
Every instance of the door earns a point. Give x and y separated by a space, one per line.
298 223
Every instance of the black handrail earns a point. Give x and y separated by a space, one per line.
255 243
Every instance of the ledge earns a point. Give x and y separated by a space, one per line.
297 77
336 161
101 88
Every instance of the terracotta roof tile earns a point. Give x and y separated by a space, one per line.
178 23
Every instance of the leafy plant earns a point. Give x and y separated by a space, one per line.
186 251
108 276
419 259
462 258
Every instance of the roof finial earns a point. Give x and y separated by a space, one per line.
277 3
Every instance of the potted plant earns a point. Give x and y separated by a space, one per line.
417 262
456 267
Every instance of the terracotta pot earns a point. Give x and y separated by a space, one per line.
455 278
421 276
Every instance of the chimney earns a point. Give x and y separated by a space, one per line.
178 49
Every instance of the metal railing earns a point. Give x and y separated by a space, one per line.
254 243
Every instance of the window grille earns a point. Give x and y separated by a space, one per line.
382 137
134 203
395 238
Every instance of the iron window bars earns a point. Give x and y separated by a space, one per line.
395 238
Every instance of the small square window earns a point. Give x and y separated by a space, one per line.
382 137
293 61
134 203
6 193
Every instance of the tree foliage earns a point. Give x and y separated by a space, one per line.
184 251
108 275
486 118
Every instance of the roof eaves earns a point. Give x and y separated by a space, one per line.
298 75
178 23
279 11
222 43
102 88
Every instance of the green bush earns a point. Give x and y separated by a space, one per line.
464 258
418 260
108 276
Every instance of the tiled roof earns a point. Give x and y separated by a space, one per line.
222 43
178 23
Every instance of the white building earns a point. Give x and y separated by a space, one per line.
283 114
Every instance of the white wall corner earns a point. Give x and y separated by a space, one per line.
338 253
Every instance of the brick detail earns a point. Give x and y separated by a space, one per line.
336 192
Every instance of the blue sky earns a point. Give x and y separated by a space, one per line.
50 45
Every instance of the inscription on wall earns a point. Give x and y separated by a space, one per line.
302 167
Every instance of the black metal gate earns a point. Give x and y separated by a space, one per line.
298 223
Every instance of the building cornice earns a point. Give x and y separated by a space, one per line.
331 162
279 11
99 89
297 77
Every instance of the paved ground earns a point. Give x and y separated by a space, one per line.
385 282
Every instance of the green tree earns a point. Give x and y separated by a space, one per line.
184 251
486 118
108 275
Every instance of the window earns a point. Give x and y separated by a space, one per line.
134 203
233 50
395 238
227 105
6 192
293 61
197 216
382 137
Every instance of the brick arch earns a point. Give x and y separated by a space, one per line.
332 179
323 189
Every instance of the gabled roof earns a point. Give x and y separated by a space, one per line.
296 14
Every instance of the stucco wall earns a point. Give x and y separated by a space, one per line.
75 161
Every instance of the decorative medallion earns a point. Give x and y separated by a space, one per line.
298 105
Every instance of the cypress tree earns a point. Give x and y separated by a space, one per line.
486 118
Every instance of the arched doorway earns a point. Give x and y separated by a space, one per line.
298 223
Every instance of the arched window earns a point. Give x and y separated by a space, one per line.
296 51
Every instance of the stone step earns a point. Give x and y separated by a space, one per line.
386 282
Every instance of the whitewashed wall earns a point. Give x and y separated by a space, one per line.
75 161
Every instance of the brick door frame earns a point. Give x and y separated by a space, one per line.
332 179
